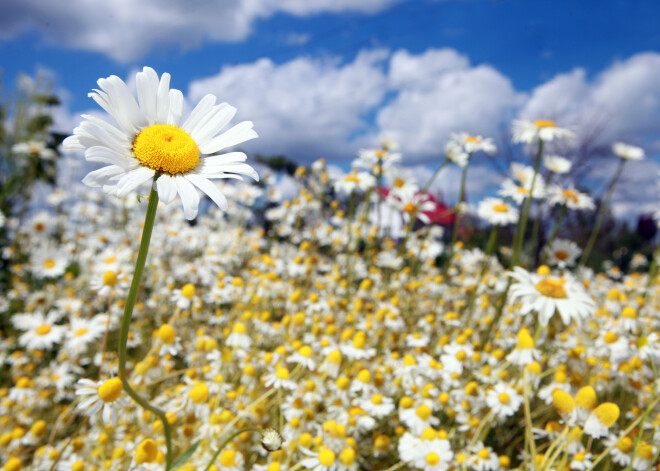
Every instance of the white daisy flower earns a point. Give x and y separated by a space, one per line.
152 144
503 400
49 263
34 148
544 129
570 197
495 211
557 164
41 333
601 419
546 295
627 152
100 395
562 252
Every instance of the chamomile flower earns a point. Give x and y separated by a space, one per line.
461 146
41 332
152 143
545 295
601 419
524 353
49 263
503 400
35 149
627 151
279 379
101 395
497 212
557 164
377 405
572 198
544 129
184 297
170 343
562 253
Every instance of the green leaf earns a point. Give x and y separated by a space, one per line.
183 457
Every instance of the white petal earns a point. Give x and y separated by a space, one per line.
214 122
189 197
163 102
176 107
147 86
107 156
203 107
209 188
240 133
125 109
132 180
166 189
102 176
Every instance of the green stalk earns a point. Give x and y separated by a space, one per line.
601 214
520 234
126 322
461 198
537 221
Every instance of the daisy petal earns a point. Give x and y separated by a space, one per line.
209 188
189 197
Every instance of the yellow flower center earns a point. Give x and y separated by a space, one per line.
199 394
43 329
629 312
484 454
645 451
81 331
552 288
109 278
561 255
525 340
110 390
239 328
147 451
166 334
377 399
335 357
607 413
78 466
409 208
500 208
625 444
562 401
570 195
432 459
188 291
398 182
522 190
305 351
545 123
326 457
586 398
472 139
282 373
228 458
504 398
347 456
166 148
352 178
423 412
50 263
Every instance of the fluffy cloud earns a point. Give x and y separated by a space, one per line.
305 108
622 102
127 29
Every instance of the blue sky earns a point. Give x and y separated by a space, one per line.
327 77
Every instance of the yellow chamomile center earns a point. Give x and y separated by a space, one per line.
199 394
504 398
81 331
228 458
552 288
166 334
423 412
188 291
43 329
166 148
625 444
432 459
50 263
147 451
561 255
570 195
525 340
607 413
500 208
474 139
110 390
545 123
562 401
326 457
109 278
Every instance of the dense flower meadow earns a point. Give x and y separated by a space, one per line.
339 330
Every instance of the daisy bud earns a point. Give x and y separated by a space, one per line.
271 440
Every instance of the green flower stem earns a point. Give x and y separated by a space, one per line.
126 322
537 221
520 235
226 442
601 214
461 198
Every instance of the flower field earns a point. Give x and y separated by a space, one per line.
339 330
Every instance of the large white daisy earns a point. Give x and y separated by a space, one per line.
151 143
546 294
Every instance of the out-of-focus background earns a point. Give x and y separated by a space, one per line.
325 78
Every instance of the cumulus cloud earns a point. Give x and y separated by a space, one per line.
127 29
622 102
305 108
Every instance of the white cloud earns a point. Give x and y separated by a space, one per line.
128 29
439 93
305 108
622 102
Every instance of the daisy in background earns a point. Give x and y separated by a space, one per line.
354 181
544 129
151 143
462 145
557 164
570 197
41 332
545 295
34 149
628 152
105 395
562 252
49 263
497 212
